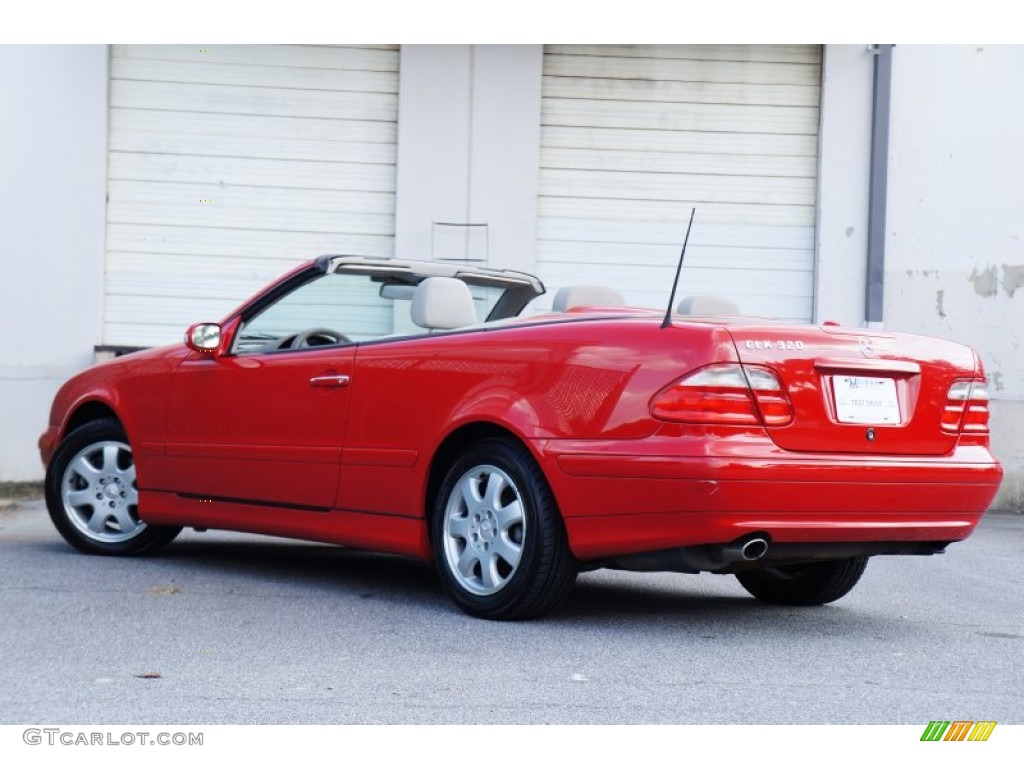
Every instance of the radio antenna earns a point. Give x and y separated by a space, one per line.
679 269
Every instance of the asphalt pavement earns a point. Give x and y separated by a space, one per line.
231 628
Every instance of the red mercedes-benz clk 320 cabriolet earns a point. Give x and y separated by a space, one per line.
407 407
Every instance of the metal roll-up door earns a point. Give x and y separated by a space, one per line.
633 136
230 164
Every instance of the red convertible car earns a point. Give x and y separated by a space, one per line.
407 407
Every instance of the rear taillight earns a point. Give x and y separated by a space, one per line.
966 408
727 393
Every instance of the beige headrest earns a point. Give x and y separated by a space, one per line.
442 303
708 306
586 296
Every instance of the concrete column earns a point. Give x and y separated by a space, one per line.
53 173
469 153
844 167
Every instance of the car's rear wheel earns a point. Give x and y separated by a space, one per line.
804 584
92 496
499 541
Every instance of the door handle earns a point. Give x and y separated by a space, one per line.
332 380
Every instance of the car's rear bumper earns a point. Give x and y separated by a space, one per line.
627 501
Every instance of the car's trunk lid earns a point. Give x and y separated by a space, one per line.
858 391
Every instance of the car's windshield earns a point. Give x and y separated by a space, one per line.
348 307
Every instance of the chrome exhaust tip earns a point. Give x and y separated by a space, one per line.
754 549
744 551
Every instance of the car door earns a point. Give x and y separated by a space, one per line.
264 428
264 423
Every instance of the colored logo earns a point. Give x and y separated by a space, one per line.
958 730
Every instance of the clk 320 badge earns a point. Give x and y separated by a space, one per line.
769 344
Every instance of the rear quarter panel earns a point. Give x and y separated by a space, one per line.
585 380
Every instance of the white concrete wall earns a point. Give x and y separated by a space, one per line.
53 134
844 171
469 151
955 234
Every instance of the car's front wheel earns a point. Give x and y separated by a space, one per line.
92 496
499 541
804 584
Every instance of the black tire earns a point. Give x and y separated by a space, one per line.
806 584
92 497
504 555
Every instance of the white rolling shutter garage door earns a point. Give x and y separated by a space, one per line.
229 165
634 136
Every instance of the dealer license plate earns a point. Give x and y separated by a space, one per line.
866 400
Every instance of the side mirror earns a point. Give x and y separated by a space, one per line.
203 337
